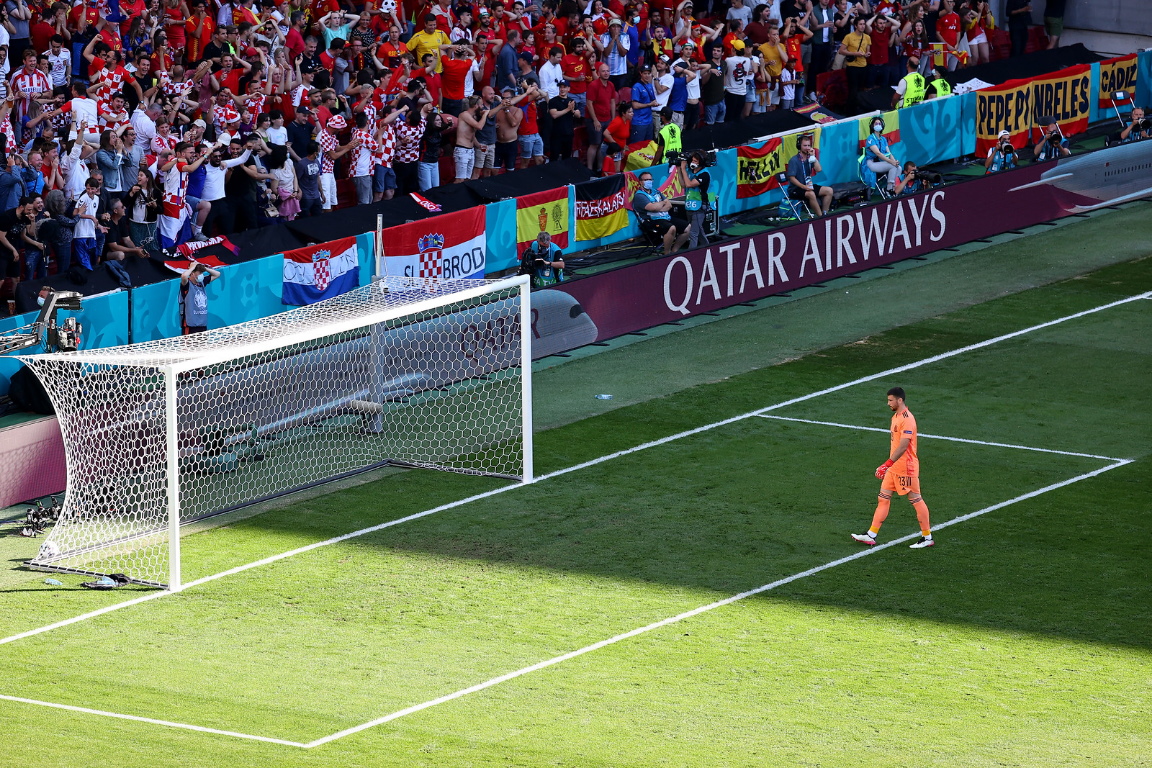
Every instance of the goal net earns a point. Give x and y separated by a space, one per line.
407 372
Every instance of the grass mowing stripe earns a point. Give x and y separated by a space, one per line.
702 609
153 721
594 462
943 437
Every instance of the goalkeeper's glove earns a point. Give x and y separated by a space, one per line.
883 469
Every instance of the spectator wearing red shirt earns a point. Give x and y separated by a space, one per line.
600 111
91 15
486 49
880 59
294 40
531 143
229 74
948 31
432 82
328 57
577 70
41 32
198 32
453 79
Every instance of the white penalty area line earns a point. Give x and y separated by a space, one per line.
583 465
152 721
702 609
579 652
945 437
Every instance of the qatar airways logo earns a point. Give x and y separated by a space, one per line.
805 254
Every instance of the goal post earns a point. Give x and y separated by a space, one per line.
405 372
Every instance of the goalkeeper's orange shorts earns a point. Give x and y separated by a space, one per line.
901 484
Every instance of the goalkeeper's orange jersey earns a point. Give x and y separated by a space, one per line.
904 426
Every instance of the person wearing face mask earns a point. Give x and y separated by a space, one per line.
653 210
878 156
696 180
193 297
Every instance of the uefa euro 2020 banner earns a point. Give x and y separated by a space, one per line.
320 272
1018 105
445 247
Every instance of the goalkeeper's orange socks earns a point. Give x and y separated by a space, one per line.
922 516
881 514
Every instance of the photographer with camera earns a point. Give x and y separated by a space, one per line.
1052 144
1139 128
696 180
916 180
1001 157
543 262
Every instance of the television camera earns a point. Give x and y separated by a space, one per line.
45 329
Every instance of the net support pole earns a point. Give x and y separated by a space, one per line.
173 467
526 374
379 249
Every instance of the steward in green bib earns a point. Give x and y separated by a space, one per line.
940 86
668 138
912 87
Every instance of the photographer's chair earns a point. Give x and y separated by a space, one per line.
790 208
1118 98
652 239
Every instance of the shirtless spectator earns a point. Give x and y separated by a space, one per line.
508 119
472 119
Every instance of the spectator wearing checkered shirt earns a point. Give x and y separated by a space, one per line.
383 176
362 159
408 136
332 151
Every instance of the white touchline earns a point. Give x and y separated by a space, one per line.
153 721
702 609
944 437
583 465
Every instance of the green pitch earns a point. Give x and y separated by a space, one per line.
1022 638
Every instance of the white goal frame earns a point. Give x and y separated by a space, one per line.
170 358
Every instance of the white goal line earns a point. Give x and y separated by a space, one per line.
593 462
944 437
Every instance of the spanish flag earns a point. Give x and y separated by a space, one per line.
542 212
757 168
600 207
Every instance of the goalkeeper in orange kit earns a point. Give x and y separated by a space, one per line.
900 474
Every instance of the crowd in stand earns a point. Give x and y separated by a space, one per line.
127 126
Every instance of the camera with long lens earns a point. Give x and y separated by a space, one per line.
1007 148
675 157
1055 138
931 178
1142 125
